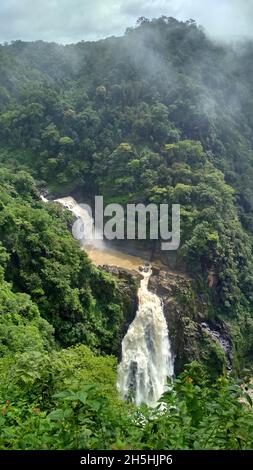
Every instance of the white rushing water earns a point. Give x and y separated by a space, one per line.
99 251
146 352
83 229
43 198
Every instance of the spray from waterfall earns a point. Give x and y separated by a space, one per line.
83 229
146 352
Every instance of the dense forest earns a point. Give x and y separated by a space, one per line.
164 115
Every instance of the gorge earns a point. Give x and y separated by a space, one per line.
147 360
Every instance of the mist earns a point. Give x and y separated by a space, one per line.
66 21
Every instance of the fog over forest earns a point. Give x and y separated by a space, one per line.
67 21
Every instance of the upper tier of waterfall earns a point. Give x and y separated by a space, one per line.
99 251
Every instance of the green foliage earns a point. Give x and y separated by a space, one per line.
202 415
41 259
156 123
195 414
169 121
21 327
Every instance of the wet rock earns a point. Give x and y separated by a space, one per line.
155 270
192 337
128 283
219 333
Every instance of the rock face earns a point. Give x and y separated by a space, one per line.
193 336
128 282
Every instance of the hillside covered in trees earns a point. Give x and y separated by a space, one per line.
164 115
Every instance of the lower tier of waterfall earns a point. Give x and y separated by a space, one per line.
146 352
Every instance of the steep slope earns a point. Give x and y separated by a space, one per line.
160 115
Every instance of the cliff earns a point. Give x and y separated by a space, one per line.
192 334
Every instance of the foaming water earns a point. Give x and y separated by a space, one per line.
83 229
146 352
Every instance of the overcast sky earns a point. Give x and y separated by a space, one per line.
67 21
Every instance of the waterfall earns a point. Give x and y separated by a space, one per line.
146 352
43 198
70 204
83 229
84 220
90 237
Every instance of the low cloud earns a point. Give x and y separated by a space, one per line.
68 21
